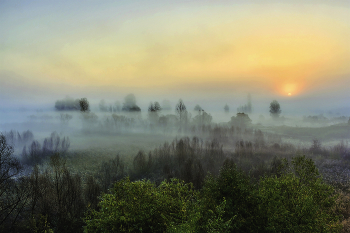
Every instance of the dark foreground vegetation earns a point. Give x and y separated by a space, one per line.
184 186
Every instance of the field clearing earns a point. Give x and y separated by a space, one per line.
327 134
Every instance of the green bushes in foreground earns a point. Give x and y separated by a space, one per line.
140 206
295 201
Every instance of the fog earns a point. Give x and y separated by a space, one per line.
97 93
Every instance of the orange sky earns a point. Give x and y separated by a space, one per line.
274 48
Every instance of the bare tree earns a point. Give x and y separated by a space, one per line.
181 112
13 194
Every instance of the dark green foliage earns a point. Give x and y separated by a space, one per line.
235 188
141 207
296 201
91 192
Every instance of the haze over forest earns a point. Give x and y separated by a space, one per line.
174 116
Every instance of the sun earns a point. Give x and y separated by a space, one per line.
289 94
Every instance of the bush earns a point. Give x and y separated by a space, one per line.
298 201
295 201
141 207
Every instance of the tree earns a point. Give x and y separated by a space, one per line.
227 108
141 206
198 108
130 104
154 107
67 104
298 201
84 105
181 112
275 109
241 120
13 193
153 110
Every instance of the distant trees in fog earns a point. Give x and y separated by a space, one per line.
247 108
129 104
65 118
227 109
14 138
181 112
67 104
202 118
241 120
153 110
104 107
154 107
35 153
275 109
198 108
84 105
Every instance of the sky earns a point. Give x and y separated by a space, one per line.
201 51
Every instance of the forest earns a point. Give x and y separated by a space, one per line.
114 167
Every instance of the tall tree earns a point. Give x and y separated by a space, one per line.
181 112
275 109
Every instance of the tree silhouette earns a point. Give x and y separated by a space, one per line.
84 105
275 109
198 108
181 112
130 104
154 107
227 108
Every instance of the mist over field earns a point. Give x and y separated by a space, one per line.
174 116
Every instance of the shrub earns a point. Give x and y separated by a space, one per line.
295 201
140 206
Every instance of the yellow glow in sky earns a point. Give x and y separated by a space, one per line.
281 48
